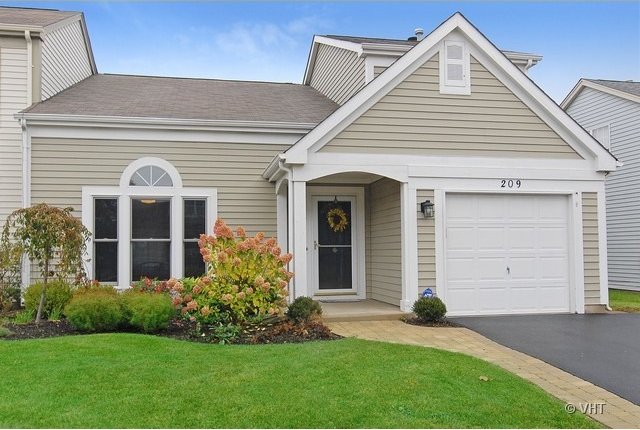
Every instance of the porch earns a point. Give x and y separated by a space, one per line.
361 310
353 236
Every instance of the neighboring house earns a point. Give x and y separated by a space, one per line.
380 132
610 111
42 52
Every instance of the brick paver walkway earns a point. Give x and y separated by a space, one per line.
616 412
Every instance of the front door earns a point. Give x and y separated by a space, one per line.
334 245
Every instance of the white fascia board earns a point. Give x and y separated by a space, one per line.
137 122
317 40
583 83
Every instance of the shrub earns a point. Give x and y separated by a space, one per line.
429 309
304 309
246 279
57 296
4 332
148 312
97 310
10 259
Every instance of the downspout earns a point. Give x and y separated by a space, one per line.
26 193
290 233
27 36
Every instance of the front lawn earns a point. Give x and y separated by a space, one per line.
626 301
129 380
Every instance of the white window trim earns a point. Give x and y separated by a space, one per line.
124 193
454 87
608 125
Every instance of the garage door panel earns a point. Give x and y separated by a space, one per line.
485 234
490 238
491 268
461 269
489 207
554 269
552 238
522 238
458 238
523 268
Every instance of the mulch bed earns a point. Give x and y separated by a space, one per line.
277 332
442 323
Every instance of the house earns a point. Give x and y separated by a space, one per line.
610 111
395 167
42 52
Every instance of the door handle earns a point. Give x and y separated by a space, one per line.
508 270
315 244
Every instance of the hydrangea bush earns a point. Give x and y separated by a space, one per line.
246 279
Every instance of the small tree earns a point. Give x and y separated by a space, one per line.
45 233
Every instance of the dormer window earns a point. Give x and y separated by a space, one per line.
454 68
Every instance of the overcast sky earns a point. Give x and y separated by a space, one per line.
270 41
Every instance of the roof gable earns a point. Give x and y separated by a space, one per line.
495 61
628 90
415 119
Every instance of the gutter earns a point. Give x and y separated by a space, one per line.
27 36
93 120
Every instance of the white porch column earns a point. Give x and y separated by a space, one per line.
409 237
299 237
282 215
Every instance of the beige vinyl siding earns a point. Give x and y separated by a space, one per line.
591 253
377 70
13 98
426 245
61 167
338 73
414 118
65 59
385 252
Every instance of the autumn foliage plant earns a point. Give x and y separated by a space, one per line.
246 279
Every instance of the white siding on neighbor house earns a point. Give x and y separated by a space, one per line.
414 118
385 249
591 109
338 73
65 59
13 98
426 245
591 252
61 167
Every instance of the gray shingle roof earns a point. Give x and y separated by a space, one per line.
357 39
187 98
32 17
631 87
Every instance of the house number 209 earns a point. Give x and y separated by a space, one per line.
510 183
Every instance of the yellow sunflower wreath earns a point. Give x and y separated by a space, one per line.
337 220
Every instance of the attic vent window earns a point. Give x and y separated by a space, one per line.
454 68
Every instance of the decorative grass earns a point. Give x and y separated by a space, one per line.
129 380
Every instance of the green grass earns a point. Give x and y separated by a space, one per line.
129 380
626 301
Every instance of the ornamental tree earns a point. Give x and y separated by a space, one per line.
46 234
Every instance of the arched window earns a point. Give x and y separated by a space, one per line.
148 226
151 176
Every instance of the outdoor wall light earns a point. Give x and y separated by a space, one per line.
426 208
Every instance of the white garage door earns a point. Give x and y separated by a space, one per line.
506 254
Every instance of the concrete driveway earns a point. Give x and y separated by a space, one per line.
601 348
